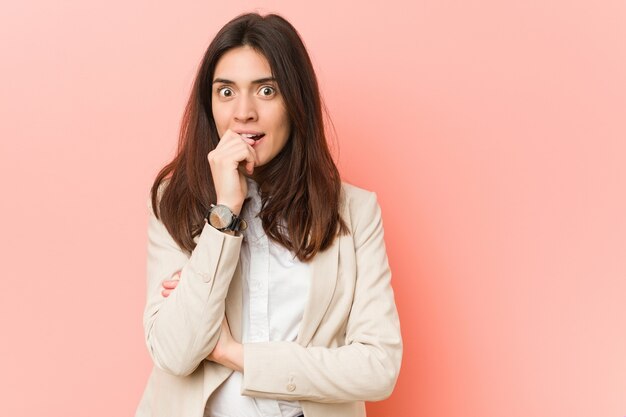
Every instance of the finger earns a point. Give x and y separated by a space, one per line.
244 158
229 136
234 140
170 284
231 155
248 140
249 167
251 159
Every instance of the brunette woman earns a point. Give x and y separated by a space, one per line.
268 283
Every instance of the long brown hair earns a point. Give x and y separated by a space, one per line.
302 180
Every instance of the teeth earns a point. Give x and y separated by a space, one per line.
248 135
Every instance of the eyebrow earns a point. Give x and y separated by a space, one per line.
259 81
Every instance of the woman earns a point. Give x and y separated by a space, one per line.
268 283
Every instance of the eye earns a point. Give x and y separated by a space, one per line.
225 92
267 91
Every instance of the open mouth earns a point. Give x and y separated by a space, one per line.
254 137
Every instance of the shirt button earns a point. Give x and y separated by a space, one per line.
291 387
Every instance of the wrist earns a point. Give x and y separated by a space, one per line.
230 356
224 219
236 356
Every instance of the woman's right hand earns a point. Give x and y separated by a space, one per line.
232 154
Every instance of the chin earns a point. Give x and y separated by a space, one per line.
263 160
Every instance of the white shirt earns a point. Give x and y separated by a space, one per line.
275 290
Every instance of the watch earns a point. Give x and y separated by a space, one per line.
223 219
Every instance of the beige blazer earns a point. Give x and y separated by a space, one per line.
348 349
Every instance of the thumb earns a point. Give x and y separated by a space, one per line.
250 167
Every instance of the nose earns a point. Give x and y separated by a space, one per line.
245 111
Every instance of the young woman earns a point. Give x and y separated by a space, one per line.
268 283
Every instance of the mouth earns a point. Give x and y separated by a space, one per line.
253 136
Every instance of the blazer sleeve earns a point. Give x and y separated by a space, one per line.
182 329
367 366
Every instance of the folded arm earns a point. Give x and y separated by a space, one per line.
367 366
182 329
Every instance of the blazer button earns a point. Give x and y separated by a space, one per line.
291 387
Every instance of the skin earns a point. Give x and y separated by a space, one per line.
241 104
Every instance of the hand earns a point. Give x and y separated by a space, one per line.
170 284
232 154
227 352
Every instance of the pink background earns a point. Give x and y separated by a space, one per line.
494 133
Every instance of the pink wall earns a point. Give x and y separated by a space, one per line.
494 133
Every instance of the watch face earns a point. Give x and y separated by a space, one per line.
220 217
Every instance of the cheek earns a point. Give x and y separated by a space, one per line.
286 127
281 121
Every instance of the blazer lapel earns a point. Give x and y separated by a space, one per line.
234 304
324 269
323 280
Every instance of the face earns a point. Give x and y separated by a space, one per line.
246 100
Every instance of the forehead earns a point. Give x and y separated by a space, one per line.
242 64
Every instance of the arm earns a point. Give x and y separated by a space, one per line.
367 366
182 329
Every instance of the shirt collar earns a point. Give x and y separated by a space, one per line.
253 189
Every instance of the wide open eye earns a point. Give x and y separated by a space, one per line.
225 92
267 91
